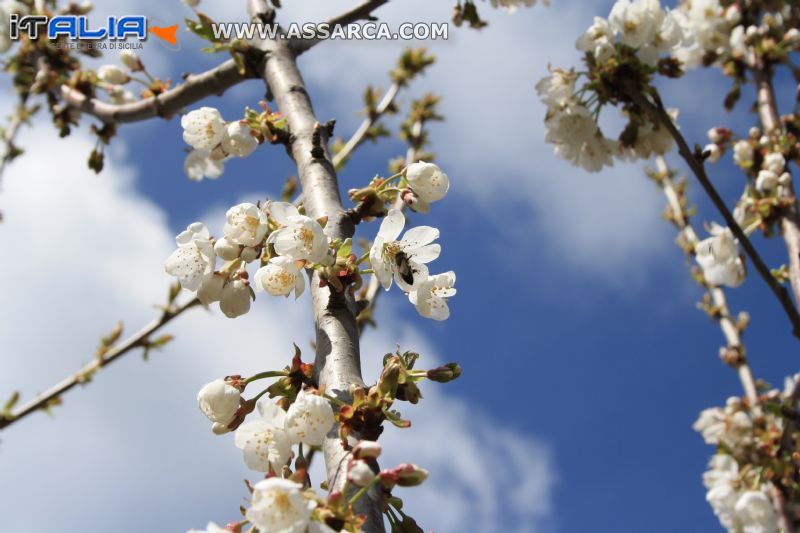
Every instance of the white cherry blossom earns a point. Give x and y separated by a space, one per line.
309 419
234 299
211 288
203 129
743 153
574 133
359 473
557 89
245 224
219 401
598 40
430 296
239 141
718 256
199 164
766 181
112 74
415 246
131 60
755 513
279 277
637 22
300 237
428 182
279 506
775 162
264 443
194 259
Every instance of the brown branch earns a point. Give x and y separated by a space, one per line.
138 340
659 115
362 12
338 362
196 87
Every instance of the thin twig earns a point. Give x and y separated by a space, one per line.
138 340
770 120
360 134
659 115
10 135
374 287
726 322
362 12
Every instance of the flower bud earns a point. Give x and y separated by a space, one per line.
359 473
445 373
712 153
249 254
428 181
792 37
130 59
211 289
226 250
766 181
112 74
235 299
405 475
367 448
219 401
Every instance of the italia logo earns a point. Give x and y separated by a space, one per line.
78 28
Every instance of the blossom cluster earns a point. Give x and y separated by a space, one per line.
283 240
298 414
113 79
284 243
741 478
213 141
764 159
636 38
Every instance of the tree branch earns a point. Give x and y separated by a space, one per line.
338 363
718 298
137 340
659 115
374 287
196 87
790 224
362 12
359 135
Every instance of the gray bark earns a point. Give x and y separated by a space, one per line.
337 363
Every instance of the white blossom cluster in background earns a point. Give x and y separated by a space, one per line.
747 439
762 158
213 141
572 113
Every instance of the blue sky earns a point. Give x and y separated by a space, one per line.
575 321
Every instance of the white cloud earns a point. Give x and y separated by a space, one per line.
131 452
